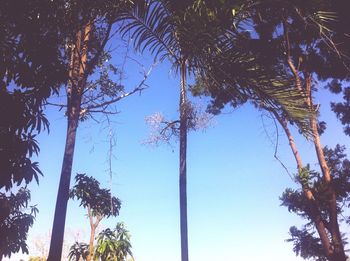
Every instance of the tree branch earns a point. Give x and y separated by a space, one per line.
139 88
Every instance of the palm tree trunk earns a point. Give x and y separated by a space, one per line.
183 170
74 94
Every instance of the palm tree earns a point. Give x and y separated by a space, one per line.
188 33
161 27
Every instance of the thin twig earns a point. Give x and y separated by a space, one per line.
276 144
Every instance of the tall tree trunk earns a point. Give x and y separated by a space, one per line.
339 253
74 94
183 170
316 215
63 193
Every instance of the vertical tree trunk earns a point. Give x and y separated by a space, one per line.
91 243
92 234
63 194
183 170
93 227
75 90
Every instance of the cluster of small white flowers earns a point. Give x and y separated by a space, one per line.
163 130
158 131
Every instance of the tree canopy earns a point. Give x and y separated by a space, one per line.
274 54
31 69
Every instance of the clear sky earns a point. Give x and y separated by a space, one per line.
234 182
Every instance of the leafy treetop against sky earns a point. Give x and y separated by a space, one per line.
234 182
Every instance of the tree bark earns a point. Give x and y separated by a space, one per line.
183 167
92 235
338 247
316 215
93 227
75 90
63 194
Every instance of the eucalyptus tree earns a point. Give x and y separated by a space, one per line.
99 203
308 49
339 69
292 41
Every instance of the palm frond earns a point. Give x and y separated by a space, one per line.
151 27
235 76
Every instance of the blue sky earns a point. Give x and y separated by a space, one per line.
234 182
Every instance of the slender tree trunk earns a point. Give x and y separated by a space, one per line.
93 227
336 249
183 170
339 253
75 90
63 194
92 235
91 243
316 215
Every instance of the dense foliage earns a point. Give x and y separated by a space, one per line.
100 204
113 244
16 217
291 44
87 190
306 243
31 69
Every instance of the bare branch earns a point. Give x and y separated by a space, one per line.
103 111
276 144
138 88
61 106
